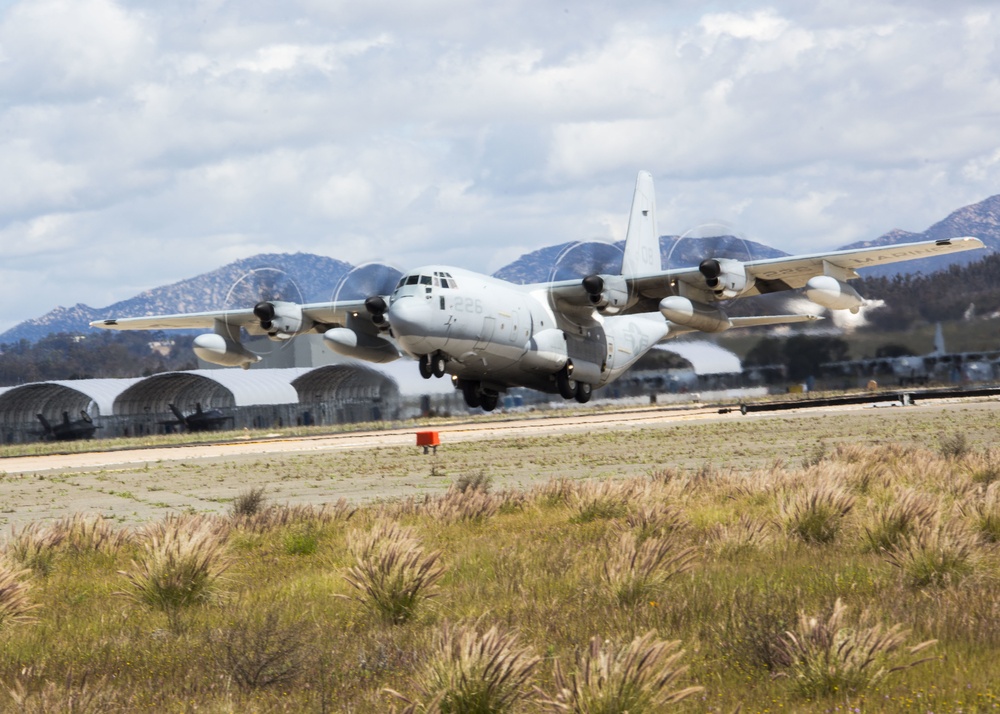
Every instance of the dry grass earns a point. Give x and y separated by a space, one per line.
635 572
827 655
472 672
15 605
638 678
391 572
179 567
816 515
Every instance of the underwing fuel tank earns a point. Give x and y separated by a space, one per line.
347 342
833 294
696 315
218 349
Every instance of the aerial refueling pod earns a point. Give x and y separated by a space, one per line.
833 294
350 343
280 320
219 349
608 293
695 315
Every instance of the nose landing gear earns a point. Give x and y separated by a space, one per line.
432 365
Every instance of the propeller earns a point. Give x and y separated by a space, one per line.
267 288
371 283
595 264
709 246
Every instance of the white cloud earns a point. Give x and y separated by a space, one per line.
470 132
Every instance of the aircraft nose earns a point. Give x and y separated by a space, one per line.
412 322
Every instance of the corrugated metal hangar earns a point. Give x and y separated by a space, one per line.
196 400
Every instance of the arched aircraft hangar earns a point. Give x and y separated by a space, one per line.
258 398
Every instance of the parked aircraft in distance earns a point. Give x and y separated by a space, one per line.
199 420
567 337
68 430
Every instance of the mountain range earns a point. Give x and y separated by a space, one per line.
305 277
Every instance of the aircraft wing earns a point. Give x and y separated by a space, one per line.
791 272
325 314
751 321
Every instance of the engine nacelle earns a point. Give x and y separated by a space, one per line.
695 315
725 277
833 294
545 352
280 320
347 342
608 293
221 350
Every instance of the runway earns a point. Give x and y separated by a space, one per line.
138 485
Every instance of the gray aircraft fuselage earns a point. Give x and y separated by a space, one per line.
503 335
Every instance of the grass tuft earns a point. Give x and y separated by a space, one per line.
14 602
827 656
816 515
939 554
473 673
180 566
634 571
638 678
392 573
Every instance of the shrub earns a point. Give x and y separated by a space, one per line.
248 503
828 656
954 446
179 567
260 651
815 516
391 572
633 572
474 673
636 679
750 633
476 482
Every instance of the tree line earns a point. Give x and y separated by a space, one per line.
64 355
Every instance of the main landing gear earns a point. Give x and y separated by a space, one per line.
478 397
432 365
570 388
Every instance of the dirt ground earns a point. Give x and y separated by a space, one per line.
140 485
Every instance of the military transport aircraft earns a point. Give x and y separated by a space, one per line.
567 337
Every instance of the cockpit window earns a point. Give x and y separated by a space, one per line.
412 280
425 280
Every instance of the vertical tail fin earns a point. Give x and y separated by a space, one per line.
642 241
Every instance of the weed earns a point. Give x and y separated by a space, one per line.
750 634
748 534
391 572
827 656
301 540
638 678
983 513
34 547
600 501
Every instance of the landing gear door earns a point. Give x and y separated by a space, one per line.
486 334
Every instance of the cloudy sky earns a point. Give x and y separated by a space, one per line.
144 142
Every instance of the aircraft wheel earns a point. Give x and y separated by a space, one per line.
566 384
489 401
438 364
471 393
583 392
425 366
